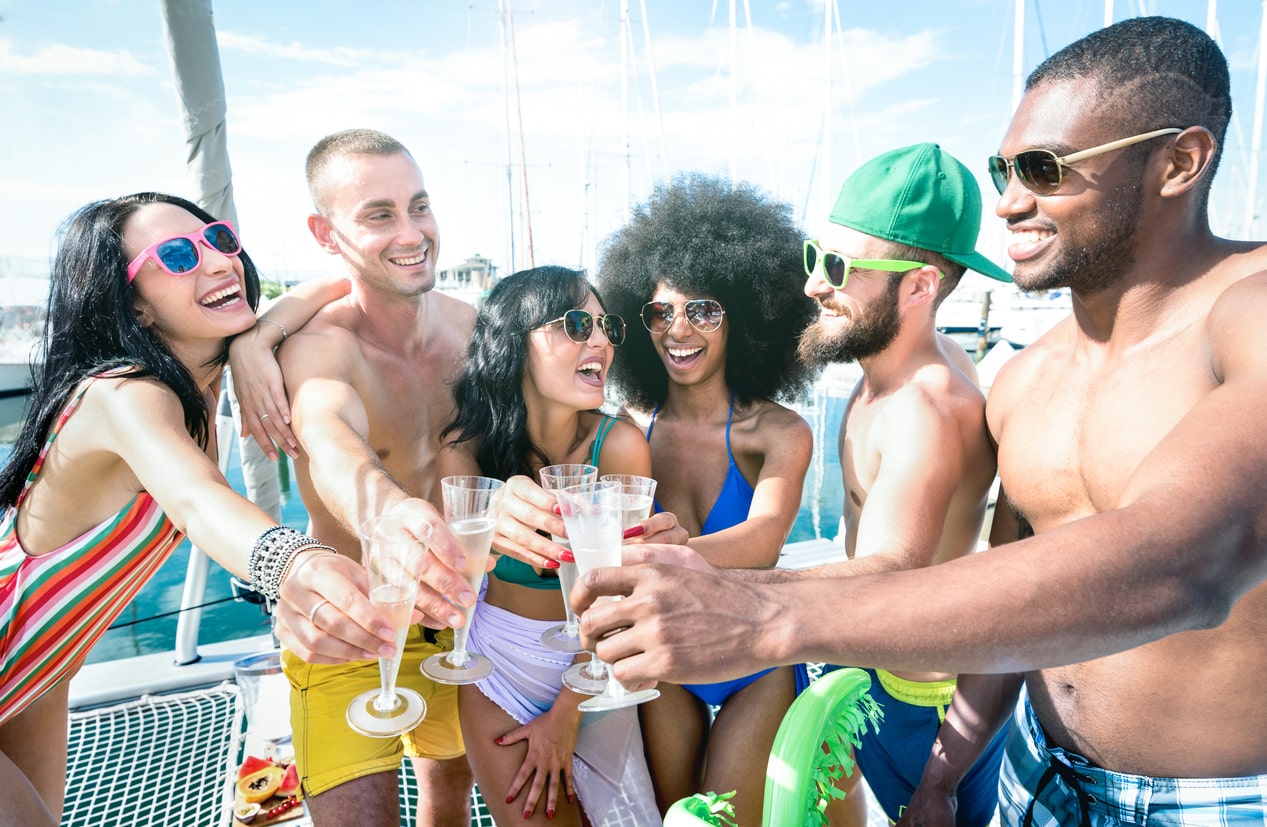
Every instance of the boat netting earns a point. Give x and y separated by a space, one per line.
160 760
166 761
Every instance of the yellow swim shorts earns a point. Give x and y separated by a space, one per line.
329 753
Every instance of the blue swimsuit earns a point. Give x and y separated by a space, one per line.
729 509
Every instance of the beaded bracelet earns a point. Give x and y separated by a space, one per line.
272 556
277 325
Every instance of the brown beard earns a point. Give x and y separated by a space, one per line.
871 332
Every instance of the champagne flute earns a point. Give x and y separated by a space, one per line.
638 497
470 509
592 513
393 551
566 637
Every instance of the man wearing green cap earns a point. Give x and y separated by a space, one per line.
916 458
1132 604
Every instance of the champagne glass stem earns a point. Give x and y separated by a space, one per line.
458 656
567 579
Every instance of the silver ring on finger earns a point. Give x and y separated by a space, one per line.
312 613
263 417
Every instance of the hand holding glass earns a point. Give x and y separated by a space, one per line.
566 637
393 554
637 497
470 509
592 513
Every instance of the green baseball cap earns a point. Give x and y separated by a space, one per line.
920 196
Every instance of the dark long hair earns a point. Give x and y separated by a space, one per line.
703 237
489 390
92 327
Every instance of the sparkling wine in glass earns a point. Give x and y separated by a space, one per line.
566 637
470 509
592 513
637 497
393 549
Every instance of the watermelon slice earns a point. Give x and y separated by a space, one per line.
290 781
252 765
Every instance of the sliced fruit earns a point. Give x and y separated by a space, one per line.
290 781
260 786
252 765
246 813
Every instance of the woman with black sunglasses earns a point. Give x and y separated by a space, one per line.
714 274
529 397
115 462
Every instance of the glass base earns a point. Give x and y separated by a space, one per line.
604 702
365 718
578 679
441 670
557 639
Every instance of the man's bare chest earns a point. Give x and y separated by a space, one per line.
1073 441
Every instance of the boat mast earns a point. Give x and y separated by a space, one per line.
624 95
195 56
827 139
523 155
1018 53
1256 141
510 154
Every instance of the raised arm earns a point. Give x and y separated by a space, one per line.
256 377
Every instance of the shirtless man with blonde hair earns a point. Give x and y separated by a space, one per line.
368 380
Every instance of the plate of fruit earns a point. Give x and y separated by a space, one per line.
266 792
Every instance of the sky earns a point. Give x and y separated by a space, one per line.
90 109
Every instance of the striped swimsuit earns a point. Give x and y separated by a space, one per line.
55 606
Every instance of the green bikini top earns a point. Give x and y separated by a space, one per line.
510 570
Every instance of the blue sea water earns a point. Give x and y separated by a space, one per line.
148 625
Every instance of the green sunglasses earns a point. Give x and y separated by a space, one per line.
834 268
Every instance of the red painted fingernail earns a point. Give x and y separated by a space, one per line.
571 798
549 814
498 739
552 564
527 813
555 508
509 798
635 531
567 556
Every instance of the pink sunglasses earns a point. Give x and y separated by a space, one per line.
181 253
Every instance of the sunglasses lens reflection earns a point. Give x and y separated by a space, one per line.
221 238
578 325
614 329
1039 170
998 172
704 314
657 316
834 270
178 255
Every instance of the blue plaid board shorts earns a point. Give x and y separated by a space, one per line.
1051 787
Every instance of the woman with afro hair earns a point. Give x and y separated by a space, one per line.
710 277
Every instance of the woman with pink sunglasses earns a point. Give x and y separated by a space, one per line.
115 462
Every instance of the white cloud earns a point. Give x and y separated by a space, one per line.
252 45
60 59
